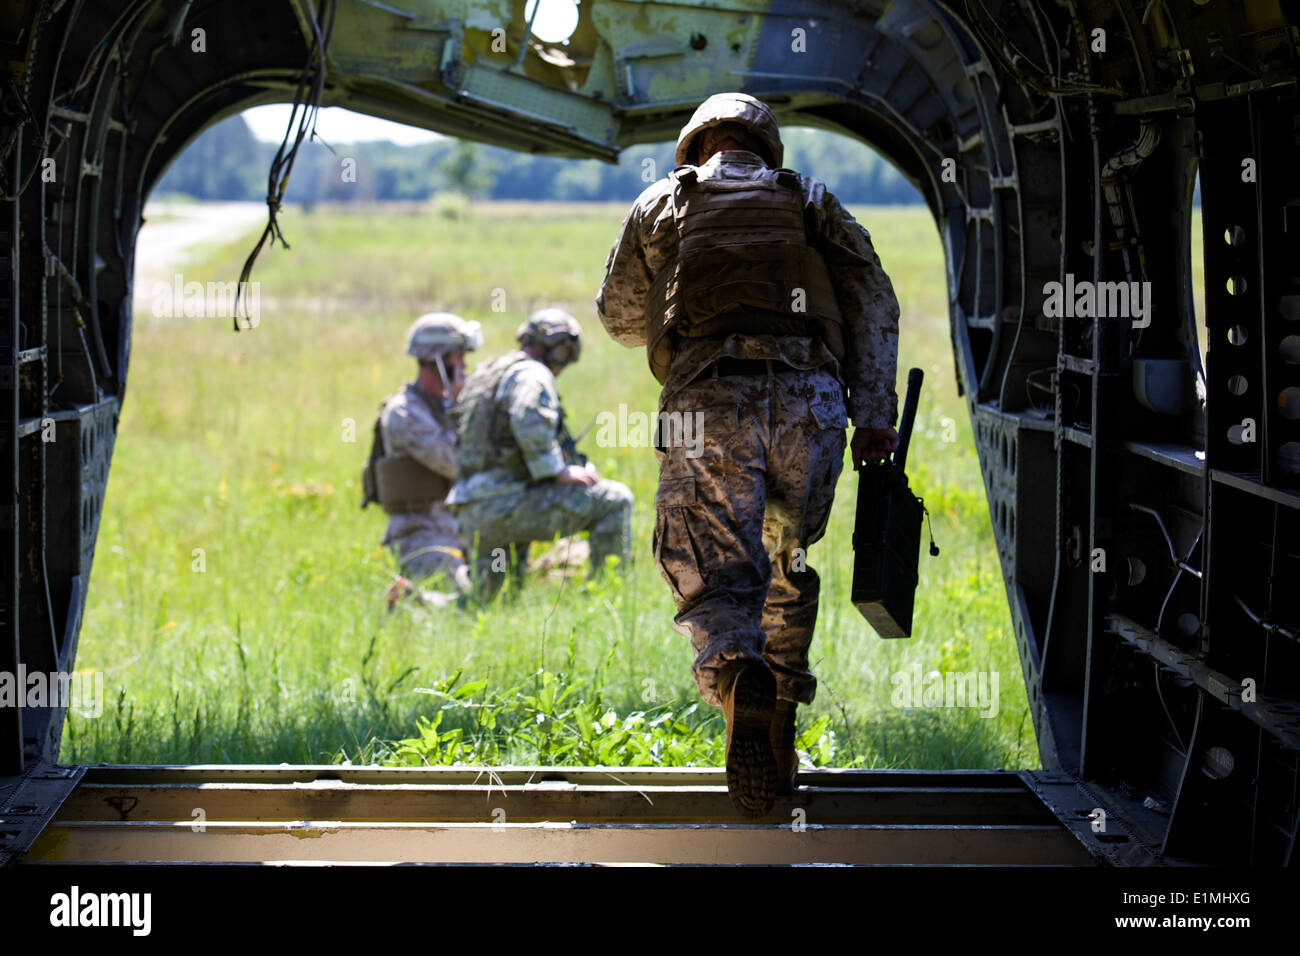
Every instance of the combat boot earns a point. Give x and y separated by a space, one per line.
748 693
783 734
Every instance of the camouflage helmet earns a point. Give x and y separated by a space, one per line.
435 333
740 108
555 332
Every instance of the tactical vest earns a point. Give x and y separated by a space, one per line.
743 264
482 424
399 483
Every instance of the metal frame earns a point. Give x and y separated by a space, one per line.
553 814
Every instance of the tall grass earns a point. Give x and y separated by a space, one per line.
236 602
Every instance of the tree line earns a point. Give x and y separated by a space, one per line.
228 162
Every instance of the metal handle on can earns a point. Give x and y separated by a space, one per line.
914 379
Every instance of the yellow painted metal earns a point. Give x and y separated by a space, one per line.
553 815
540 802
555 842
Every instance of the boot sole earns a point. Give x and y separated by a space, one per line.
751 763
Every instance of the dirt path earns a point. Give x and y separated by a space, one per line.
169 241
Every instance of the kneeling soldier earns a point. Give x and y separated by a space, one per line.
413 459
517 482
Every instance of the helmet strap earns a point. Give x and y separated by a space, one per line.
442 374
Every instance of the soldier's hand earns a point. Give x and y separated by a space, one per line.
577 475
871 444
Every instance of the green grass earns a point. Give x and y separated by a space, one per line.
280 648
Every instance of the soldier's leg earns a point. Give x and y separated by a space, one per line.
788 619
497 559
427 546
806 459
426 556
708 536
610 528
488 546
603 511
518 554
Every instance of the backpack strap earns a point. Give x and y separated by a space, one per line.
369 483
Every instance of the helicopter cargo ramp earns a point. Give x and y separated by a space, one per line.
557 815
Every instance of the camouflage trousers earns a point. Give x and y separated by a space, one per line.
540 512
427 545
737 508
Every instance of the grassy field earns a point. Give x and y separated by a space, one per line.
236 606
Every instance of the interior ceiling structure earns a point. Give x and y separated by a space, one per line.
1146 509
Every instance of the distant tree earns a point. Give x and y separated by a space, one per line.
227 162
467 171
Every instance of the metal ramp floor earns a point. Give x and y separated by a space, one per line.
321 814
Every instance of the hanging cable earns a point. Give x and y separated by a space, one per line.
1165 707
311 85
934 548
1269 627
1021 66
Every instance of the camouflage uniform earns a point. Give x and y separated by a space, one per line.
426 543
413 458
510 452
730 523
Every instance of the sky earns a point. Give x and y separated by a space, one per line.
335 125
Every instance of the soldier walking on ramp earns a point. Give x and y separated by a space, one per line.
762 304
517 483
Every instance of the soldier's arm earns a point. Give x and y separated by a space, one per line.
423 439
870 310
533 407
622 297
